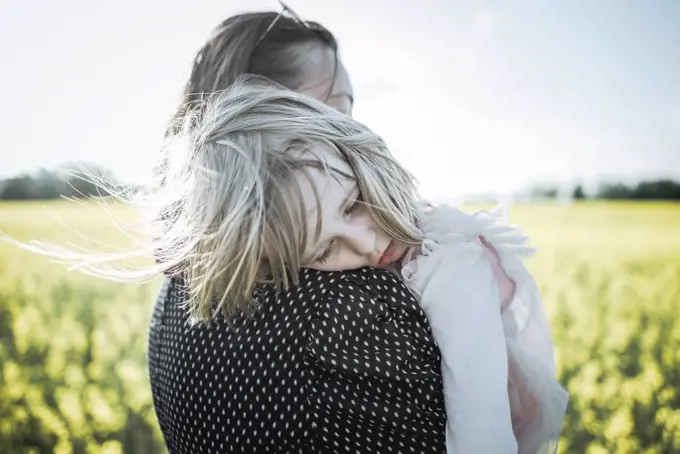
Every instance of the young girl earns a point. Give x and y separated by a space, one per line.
265 181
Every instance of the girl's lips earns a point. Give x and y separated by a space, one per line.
387 255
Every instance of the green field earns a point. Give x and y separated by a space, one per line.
72 349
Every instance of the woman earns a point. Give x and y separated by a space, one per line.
342 362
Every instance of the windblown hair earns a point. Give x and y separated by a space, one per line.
265 44
230 215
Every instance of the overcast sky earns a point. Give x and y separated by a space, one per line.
472 95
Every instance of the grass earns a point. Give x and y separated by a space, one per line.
72 349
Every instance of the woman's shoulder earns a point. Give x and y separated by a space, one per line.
298 355
372 362
364 302
363 320
367 315
367 296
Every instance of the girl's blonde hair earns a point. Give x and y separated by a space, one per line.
229 213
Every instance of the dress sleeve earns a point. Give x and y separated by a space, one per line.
475 263
456 285
539 401
374 383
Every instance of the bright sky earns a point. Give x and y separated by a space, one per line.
472 95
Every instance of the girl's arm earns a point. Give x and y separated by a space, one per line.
463 307
523 405
537 401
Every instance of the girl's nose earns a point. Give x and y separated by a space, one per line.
361 236
363 242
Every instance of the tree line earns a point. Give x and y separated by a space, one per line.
662 189
73 180
79 180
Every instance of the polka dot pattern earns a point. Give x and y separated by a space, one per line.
342 363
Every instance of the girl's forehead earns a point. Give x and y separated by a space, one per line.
327 157
325 180
329 183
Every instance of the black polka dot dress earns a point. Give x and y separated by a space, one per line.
342 363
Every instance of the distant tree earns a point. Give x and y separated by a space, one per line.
658 190
86 179
544 192
21 187
579 194
48 185
645 190
615 191
69 180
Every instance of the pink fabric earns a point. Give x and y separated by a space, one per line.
523 406
505 284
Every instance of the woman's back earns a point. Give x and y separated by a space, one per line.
343 362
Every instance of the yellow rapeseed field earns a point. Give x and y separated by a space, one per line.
72 348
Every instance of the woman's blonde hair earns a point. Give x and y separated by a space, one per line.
229 213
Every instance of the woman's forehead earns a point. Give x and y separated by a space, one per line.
342 86
327 77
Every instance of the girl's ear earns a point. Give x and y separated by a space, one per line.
265 275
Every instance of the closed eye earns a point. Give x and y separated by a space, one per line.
326 253
358 202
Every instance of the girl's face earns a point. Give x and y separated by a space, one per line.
349 237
